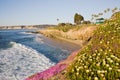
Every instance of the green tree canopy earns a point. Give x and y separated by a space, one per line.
78 18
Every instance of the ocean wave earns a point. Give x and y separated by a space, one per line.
20 61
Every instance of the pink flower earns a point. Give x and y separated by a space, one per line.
53 70
48 73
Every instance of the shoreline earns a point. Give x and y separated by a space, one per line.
77 42
54 70
86 35
79 37
61 43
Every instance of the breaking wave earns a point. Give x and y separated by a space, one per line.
20 61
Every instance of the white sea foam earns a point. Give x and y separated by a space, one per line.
20 61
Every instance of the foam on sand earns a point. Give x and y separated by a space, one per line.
20 61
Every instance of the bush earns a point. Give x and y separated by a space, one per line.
64 27
86 22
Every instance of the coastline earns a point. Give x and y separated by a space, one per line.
62 65
79 37
52 71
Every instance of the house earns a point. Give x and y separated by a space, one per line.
100 20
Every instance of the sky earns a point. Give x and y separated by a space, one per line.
35 12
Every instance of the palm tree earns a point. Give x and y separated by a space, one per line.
108 9
115 8
92 17
57 19
105 11
100 14
113 11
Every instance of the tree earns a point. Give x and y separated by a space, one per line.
78 18
114 10
108 9
57 19
105 11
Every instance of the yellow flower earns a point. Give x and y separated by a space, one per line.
87 71
108 42
80 68
103 71
105 53
77 69
117 64
107 65
92 72
101 32
112 38
72 70
98 54
98 64
104 62
102 75
85 66
110 50
110 68
98 71
96 78
118 70
90 59
109 31
112 56
90 56
77 73
101 42
94 54
111 61
101 50
78 59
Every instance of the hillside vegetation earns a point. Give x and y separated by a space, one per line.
78 34
100 59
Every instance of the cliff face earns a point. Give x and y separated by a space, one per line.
79 36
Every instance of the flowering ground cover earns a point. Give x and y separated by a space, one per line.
47 73
100 60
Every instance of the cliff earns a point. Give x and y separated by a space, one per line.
74 35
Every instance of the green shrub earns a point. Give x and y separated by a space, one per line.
64 27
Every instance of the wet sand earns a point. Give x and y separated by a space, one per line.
70 45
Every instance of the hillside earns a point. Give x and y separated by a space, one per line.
98 60
75 34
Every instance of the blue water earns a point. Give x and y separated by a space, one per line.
53 49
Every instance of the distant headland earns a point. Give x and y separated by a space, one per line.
26 26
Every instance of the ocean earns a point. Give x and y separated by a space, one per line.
23 53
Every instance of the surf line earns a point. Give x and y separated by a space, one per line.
54 69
